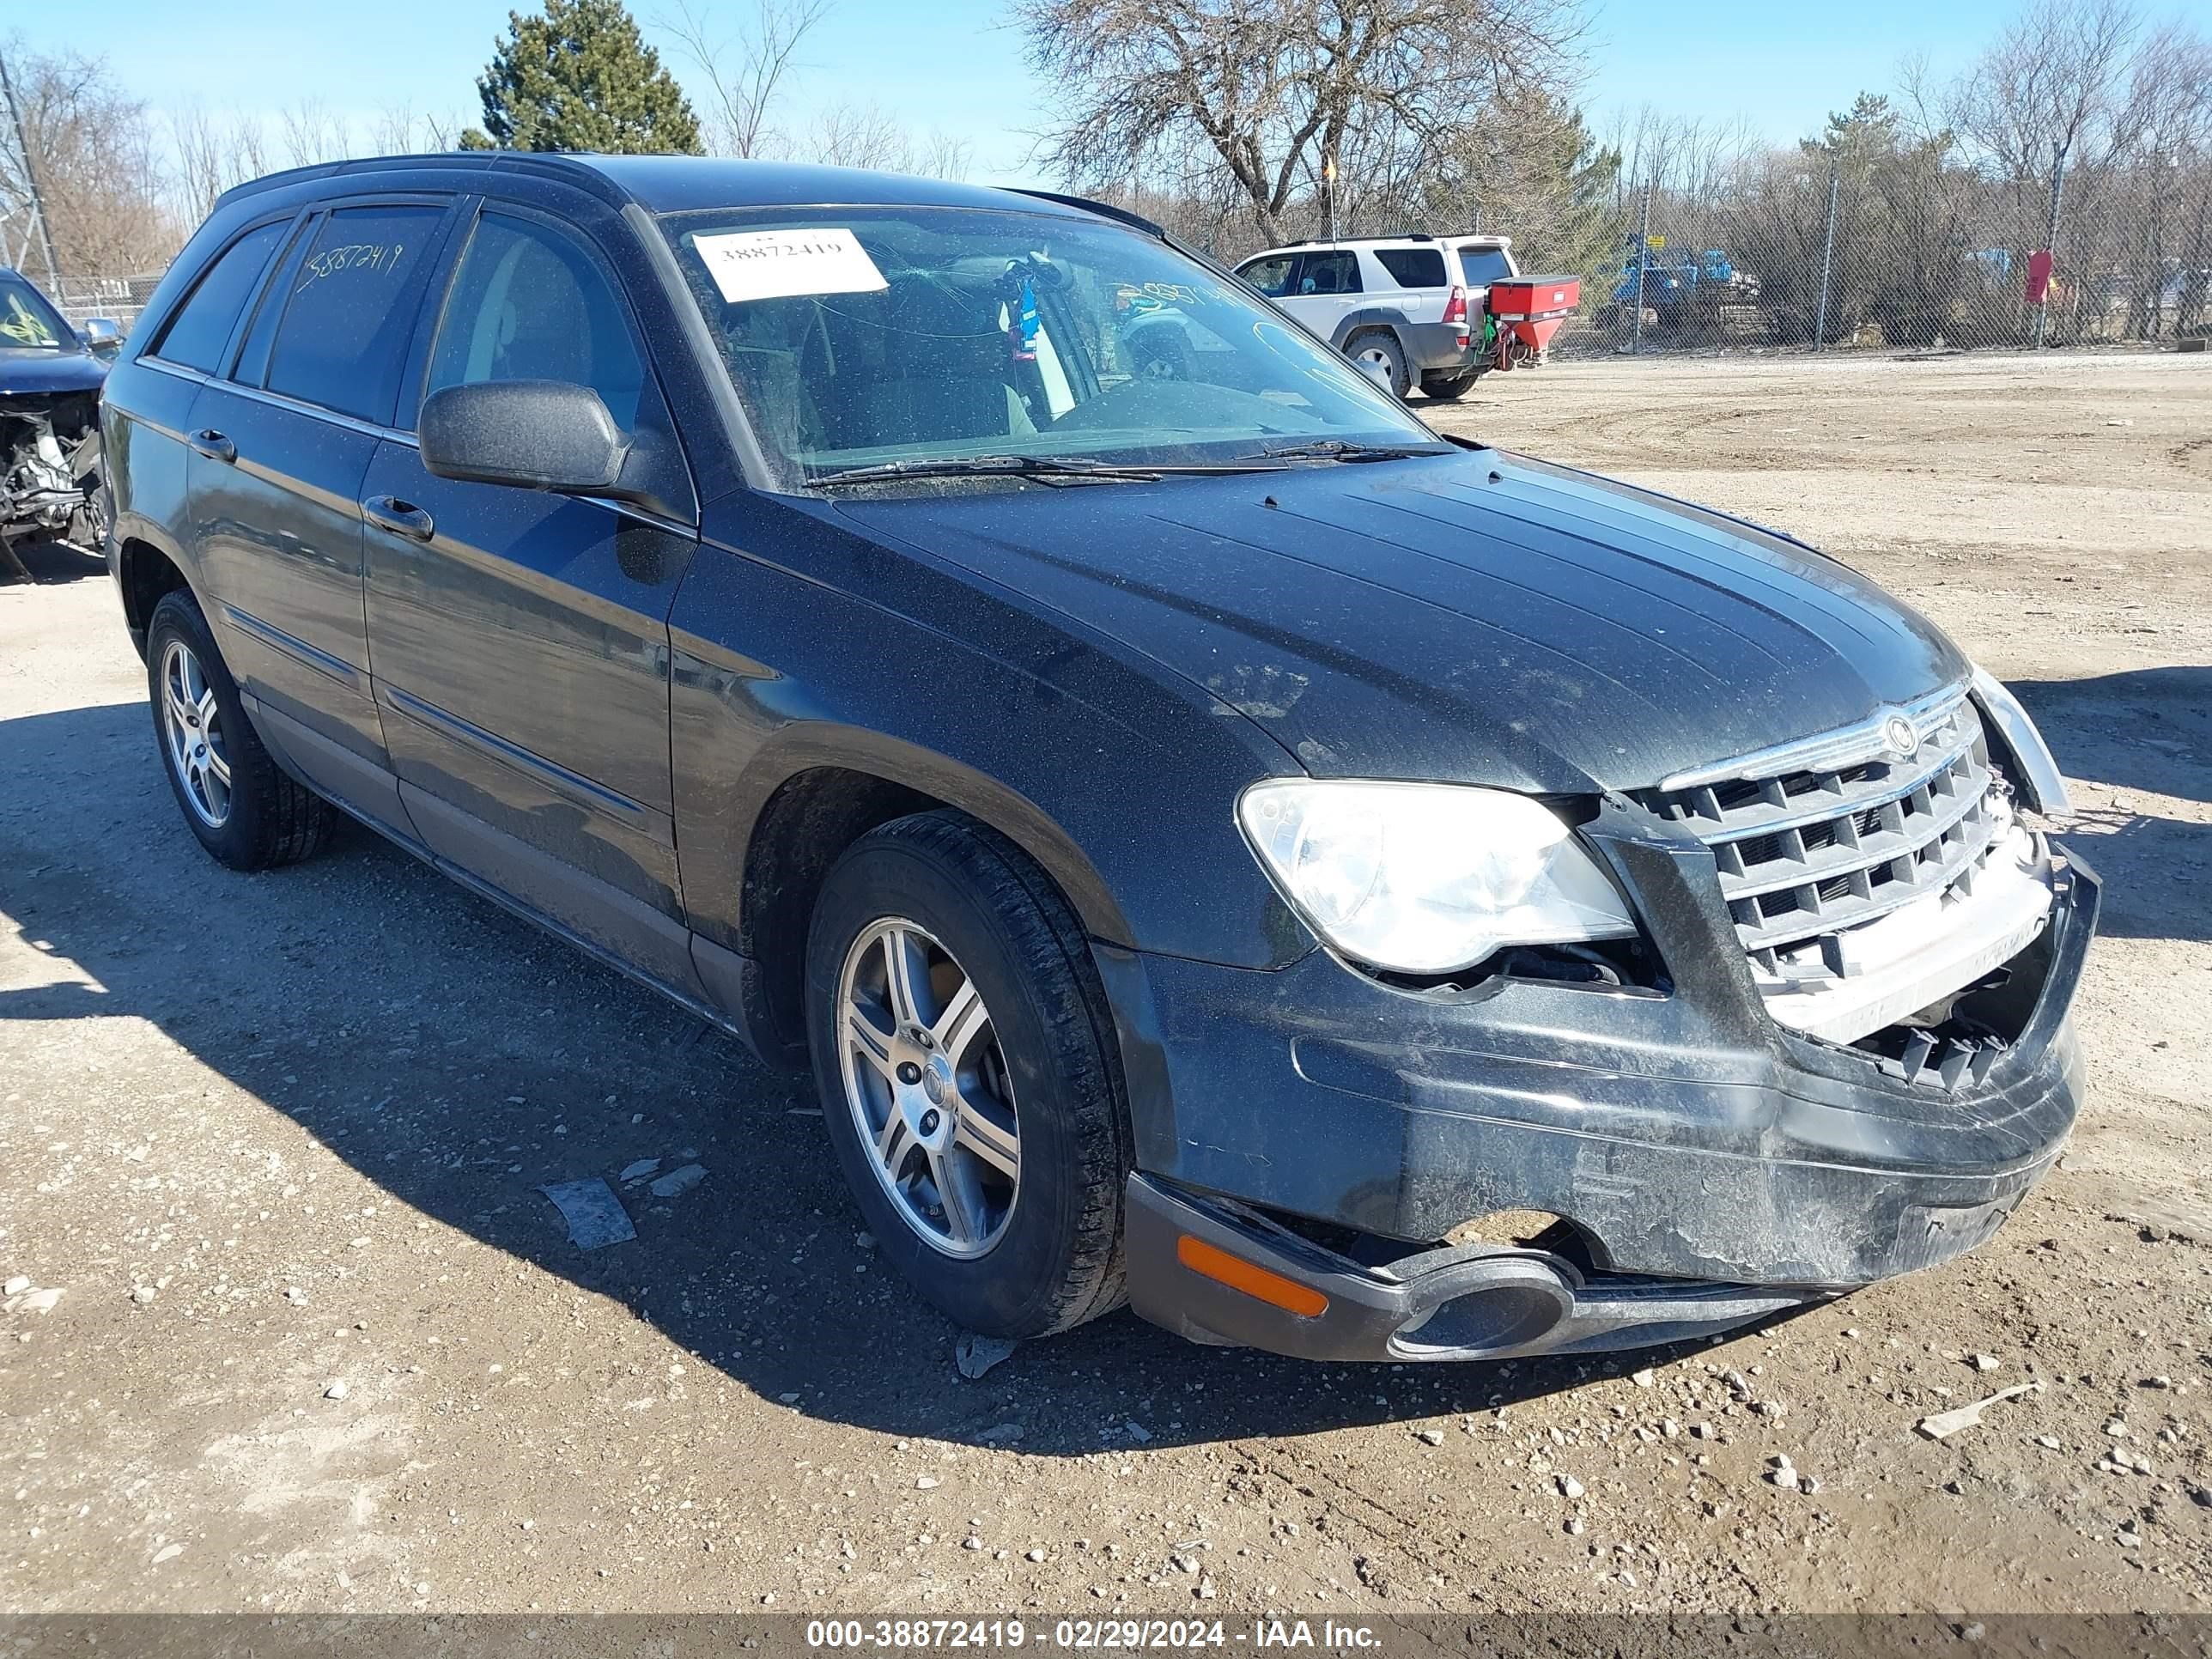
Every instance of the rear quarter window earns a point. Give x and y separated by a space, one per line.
1412 267
350 311
196 334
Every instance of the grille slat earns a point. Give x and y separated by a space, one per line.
1806 856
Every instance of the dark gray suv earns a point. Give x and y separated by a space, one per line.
1215 842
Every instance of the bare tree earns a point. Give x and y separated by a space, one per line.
314 132
1276 90
2055 75
212 153
745 73
943 156
858 136
397 129
90 147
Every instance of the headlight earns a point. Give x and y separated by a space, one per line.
1423 879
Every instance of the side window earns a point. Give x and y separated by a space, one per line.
1330 273
347 320
1412 267
528 304
1271 277
197 332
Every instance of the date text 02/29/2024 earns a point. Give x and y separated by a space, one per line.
1082 1635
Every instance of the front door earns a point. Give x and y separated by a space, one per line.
1326 289
520 639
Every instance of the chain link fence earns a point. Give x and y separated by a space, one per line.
119 299
1815 253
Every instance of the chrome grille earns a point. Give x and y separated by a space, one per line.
1814 838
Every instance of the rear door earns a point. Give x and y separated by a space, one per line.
520 638
147 407
1424 286
278 453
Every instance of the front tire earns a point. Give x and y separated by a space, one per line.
246 812
968 1076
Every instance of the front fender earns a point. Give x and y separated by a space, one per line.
1119 780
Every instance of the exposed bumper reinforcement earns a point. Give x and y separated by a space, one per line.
1462 1302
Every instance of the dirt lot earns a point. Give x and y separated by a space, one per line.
267 1135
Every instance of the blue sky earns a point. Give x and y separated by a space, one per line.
951 64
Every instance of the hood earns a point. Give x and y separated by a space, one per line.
1479 618
33 373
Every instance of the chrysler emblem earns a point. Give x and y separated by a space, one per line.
1899 737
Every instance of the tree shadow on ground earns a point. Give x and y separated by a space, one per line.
461 1060
2147 730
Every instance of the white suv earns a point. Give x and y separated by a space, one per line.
1408 309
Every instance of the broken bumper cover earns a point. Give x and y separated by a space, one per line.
1716 1166
1469 1302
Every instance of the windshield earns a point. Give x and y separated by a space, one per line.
27 320
866 336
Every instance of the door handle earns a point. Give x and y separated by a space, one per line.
400 517
212 444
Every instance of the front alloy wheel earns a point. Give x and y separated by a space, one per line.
926 1083
970 1085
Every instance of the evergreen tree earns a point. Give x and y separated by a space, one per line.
580 78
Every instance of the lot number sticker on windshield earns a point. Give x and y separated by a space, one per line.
777 265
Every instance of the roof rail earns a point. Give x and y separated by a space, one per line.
559 164
1104 210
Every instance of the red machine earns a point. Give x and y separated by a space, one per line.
1529 311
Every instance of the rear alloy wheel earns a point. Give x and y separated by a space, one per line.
191 721
1378 357
968 1079
246 810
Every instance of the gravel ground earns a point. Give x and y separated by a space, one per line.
319 1344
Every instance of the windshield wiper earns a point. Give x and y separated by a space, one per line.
1028 466
1344 449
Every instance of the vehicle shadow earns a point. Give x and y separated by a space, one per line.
49 563
2147 729
460 1060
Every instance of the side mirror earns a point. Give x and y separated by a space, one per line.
532 435
102 336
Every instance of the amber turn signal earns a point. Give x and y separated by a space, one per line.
1239 1275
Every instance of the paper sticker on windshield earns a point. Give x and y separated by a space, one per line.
779 264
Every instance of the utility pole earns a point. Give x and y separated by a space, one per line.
31 182
2050 239
1828 251
1643 264
1328 190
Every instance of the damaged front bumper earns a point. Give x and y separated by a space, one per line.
1711 1166
1463 1302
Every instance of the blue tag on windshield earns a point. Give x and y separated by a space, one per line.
1025 350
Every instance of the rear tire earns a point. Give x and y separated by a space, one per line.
963 910
1378 356
247 811
1448 388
